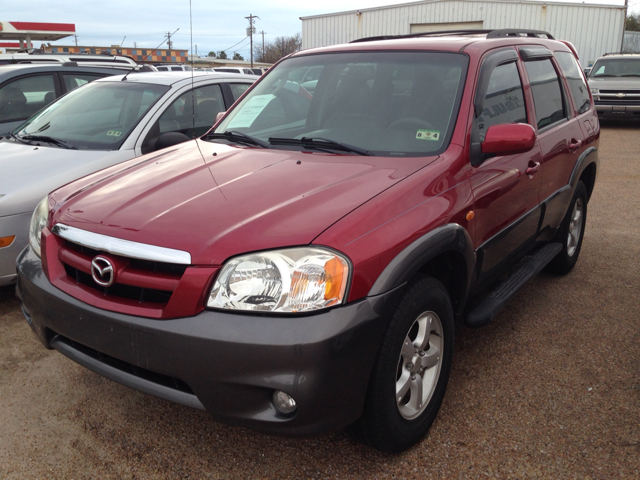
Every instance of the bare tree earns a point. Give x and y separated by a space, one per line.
277 48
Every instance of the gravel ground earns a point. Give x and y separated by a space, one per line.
550 389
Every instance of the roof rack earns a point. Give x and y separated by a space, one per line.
621 53
507 32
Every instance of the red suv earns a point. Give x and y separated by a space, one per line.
299 268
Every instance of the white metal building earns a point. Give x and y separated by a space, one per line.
593 29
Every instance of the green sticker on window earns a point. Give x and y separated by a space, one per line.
428 135
114 133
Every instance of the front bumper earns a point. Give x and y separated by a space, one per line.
605 109
228 364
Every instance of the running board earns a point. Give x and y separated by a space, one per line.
498 299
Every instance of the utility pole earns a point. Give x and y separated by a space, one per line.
250 31
169 43
263 33
76 38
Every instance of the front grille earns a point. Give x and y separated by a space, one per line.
626 92
129 368
618 102
141 281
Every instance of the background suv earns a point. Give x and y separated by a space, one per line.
299 268
614 81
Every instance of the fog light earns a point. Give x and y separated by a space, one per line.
283 402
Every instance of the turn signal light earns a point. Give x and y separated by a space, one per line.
6 241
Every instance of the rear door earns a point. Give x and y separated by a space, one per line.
507 210
561 137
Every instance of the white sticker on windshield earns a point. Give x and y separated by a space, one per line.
254 107
428 135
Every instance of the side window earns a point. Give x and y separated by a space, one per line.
189 114
547 92
163 69
75 80
23 97
577 85
238 89
504 100
176 69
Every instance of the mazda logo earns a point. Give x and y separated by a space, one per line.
102 271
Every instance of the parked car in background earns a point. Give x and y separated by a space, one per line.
614 81
27 88
98 125
243 70
299 268
172 68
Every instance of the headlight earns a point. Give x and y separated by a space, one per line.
38 222
291 280
595 91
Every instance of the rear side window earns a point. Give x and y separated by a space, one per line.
23 97
75 80
176 69
577 85
547 92
504 101
238 89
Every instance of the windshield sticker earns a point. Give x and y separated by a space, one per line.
250 111
428 135
114 133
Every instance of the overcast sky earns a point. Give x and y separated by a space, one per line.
217 25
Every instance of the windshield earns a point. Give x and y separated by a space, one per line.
382 103
616 67
96 116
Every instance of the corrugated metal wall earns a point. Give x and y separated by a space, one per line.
631 42
593 29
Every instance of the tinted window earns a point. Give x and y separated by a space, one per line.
176 69
75 80
577 85
162 69
98 116
237 89
22 98
504 101
547 92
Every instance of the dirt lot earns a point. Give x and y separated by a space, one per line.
550 389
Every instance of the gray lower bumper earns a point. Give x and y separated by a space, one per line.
228 364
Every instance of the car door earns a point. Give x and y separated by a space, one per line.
23 96
505 188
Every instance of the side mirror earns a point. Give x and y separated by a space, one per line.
509 139
219 116
169 139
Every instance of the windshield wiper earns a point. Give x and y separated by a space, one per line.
44 138
240 137
18 139
319 143
603 75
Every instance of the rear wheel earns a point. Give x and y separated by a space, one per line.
571 232
411 372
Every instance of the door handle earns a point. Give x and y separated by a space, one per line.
531 170
575 144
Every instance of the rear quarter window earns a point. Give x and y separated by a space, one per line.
577 86
547 92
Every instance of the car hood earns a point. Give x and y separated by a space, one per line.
215 201
615 83
28 173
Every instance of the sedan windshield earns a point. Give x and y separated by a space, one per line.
369 103
616 67
96 116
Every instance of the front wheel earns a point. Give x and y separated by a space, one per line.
571 233
411 372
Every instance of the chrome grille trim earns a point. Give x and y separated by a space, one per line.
117 246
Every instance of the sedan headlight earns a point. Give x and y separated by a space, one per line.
38 222
291 280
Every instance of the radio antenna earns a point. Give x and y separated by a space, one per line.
193 93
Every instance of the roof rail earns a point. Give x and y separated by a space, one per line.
621 53
490 34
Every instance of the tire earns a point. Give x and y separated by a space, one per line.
409 363
571 233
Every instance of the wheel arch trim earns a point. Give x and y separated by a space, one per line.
446 238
